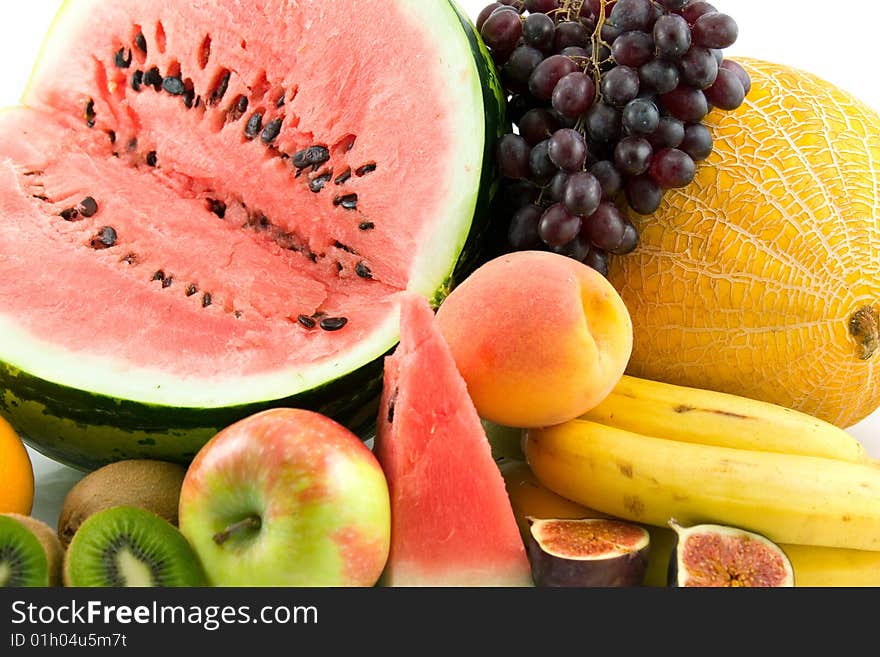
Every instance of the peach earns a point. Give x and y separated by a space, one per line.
539 338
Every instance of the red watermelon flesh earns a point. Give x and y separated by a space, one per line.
263 166
451 519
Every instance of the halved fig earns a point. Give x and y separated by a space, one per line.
719 556
590 552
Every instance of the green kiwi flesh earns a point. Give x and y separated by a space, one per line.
127 547
23 560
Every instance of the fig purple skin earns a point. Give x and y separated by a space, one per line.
587 553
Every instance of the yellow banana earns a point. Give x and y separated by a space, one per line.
788 498
713 418
813 566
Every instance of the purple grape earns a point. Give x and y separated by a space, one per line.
583 193
502 29
632 155
485 13
577 249
628 242
699 68
673 5
609 179
671 167
694 10
603 123
538 31
568 150
631 15
557 226
715 31
597 259
686 103
519 67
640 117
659 75
540 164
541 6
697 141
669 133
512 153
555 190
633 49
518 105
536 125
548 73
643 194
574 95
576 54
605 227
672 37
727 92
570 33
522 234
620 85
741 73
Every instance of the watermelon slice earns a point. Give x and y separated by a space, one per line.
451 519
211 208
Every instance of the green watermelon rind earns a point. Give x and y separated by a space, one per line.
86 429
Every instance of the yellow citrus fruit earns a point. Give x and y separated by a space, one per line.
762 278
16 473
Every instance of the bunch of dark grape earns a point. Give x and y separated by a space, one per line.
608 99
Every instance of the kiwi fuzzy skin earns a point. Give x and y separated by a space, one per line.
47 538
151 485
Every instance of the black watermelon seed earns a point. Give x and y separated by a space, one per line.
40 197
122 59
167 282
349 201
153 78
306 321
90 113
338 266
238 314
280 102
333 323
112 135
69 214
105 238
198 101
133 144
313 156
270 132
188 98
140 42
217 207
137 79
392 402
152 158
344 247
191 289
254 124
206 300
364 170
343 177
237 109
317 184
129 259
88 207
173 85
367 225
363 271
158 276
220 90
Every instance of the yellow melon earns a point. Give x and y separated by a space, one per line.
762 278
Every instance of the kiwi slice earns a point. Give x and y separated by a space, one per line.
30 554
147 484
128 546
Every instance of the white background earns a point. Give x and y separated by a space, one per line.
837 41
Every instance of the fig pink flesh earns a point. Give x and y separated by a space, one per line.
716 560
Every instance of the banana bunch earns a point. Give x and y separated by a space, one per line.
813 566
653 451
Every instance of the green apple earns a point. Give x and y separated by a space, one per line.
287 498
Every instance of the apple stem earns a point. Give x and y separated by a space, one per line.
252 523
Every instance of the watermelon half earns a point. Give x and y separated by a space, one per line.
211 208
